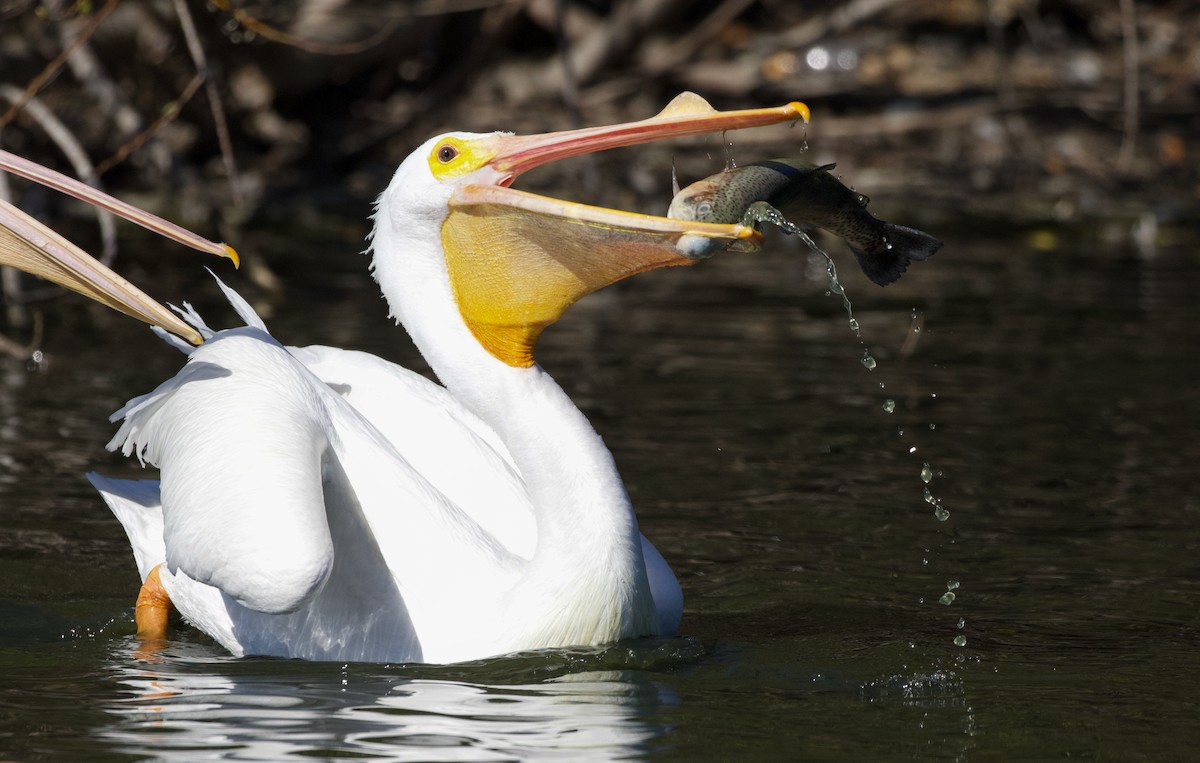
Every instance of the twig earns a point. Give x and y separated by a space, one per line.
170 113
622 31
839 19
684 49
77 156
268 32
451 79
90 73
214 99
42 78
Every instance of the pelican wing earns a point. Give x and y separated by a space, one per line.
292 525
239 438
448 445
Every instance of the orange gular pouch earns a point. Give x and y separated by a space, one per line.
517 261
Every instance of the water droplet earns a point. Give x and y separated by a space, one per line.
762 212
913 449
868 361
960 640
952 585
889 405
887 243
941 514
927 494
947 598
962 623
924 562
926 473
933 426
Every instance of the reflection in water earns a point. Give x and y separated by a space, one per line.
186 699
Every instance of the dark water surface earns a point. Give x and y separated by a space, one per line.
1053 394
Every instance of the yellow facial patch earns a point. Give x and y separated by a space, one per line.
453 157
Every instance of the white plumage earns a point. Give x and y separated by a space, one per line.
329 505
326 504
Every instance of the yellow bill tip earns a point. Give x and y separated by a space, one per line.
232 255
801 110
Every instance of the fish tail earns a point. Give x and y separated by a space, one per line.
886 258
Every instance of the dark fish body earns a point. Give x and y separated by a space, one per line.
807 194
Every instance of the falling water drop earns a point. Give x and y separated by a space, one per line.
960 640
889 405
926 473
947 598
868 361
762 212
941 514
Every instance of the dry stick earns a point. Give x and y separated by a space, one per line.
268 32
619 34
77 156
41 79
169 114
90 73
839 19
495 20
1129 37
684 49
214 98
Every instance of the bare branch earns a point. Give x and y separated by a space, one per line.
41 79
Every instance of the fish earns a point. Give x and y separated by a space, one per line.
804 193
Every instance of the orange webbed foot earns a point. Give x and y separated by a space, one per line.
153 607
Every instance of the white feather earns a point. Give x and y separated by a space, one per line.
327 504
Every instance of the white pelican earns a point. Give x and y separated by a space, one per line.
326 504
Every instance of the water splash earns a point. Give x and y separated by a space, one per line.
762 212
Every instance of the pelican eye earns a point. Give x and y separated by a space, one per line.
447 153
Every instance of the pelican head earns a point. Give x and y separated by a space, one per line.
512 262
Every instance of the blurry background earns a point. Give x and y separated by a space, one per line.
1011 110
